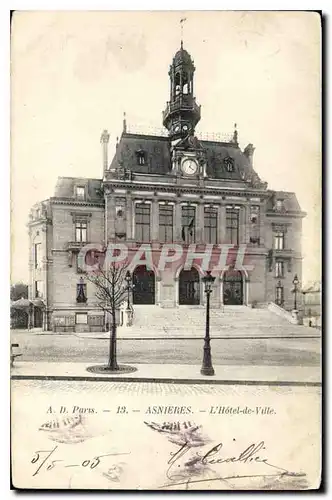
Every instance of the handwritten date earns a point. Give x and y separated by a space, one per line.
46 461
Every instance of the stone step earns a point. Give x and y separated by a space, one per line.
231 321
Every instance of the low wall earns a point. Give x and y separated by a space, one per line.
293 317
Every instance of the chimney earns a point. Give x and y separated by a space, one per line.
249 153
124 123
235 135
104 139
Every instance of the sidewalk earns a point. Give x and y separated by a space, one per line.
165 334
168 373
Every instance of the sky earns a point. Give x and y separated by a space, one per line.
73 74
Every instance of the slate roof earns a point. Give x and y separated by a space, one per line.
290 202
216 155
65 188
156 148
182 56
158 156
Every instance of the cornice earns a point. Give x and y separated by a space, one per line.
178 189
289 214
38 222
77 203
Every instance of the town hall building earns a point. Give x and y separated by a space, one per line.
169 188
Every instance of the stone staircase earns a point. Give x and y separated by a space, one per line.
228 321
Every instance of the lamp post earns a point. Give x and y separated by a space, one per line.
207 368
296 284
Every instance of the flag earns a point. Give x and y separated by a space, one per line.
190 229
191 226
183 20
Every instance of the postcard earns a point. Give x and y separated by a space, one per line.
165 237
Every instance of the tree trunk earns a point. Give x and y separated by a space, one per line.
112 362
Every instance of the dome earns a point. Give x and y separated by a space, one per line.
182 56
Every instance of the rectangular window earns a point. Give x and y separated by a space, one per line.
79 270
166 223
38 289
188 224
80 192
210 225
141 159
37 255
81 319
279 295
232 226
142 221
279 269
81 231
279 240
254 225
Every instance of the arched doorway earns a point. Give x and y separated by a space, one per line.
189 287
233 288
144 286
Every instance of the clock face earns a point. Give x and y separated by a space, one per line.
189 167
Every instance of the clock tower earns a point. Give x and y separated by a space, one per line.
181 116
182 113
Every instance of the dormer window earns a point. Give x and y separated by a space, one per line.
80 192
229 164
141 157
279 206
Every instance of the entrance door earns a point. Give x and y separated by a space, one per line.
144 286
38 317
233 288
189 289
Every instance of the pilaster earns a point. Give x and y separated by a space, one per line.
110 216
155 219
178 217
200 223
222 224
129 217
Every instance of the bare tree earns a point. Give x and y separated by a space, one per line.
110 292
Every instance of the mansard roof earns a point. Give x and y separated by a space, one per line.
155 148
289 202
65 188
157 152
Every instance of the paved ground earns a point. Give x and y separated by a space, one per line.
109 390
178 373
70 348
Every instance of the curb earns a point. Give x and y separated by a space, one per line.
207 381
202 338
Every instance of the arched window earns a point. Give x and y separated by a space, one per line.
177 84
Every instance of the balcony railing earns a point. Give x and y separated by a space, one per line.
162 132
75 245
182 102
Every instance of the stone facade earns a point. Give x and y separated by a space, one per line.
176 190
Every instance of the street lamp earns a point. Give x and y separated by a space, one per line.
295 283
207 368
129 287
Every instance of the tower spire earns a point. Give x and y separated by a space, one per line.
181 26
182 113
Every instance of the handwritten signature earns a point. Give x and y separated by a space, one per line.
46 461
182 467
